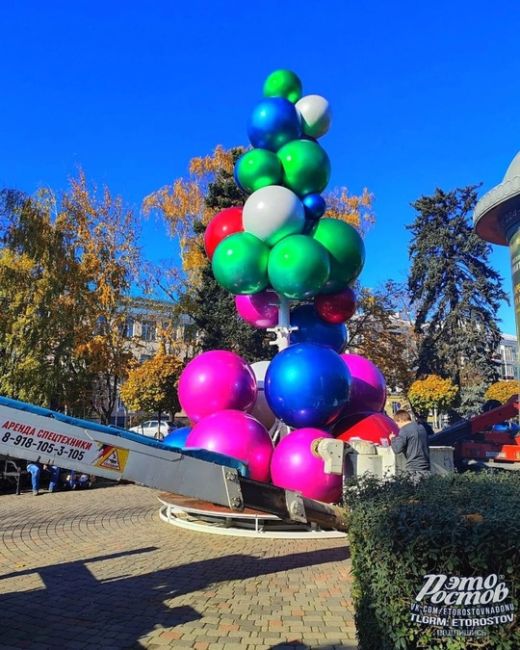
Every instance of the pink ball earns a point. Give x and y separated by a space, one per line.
295 467
238 435
259 309
215 381
368 387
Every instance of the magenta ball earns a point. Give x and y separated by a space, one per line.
368 387
294 466
259 309
238 435
215 381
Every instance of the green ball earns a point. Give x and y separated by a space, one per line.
240 263
258 168
306 167
283 83
298 267
346 251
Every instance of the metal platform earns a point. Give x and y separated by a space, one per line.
193 514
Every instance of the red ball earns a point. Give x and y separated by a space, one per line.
374 427
224 223
337 307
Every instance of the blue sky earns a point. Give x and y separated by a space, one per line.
423 94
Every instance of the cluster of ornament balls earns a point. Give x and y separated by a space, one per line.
279 239
319 393
278 243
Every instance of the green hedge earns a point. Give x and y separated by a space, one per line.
465 525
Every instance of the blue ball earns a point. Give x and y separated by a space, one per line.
177 438
313 329
314 205
274 122
307 385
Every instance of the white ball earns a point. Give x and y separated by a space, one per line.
272 213
315 112
261 409
259 369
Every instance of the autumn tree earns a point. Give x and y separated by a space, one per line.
456 292
42 291
104 233
152 386
66 267
382 332
432 393
503 390
187 205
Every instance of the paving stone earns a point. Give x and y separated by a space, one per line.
98 569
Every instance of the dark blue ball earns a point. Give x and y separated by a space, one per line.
274 122
314 205
313 329
177 438
307 385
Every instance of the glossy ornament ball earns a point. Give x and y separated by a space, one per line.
314 205
306 167
214 381
313 329
273 213
315 113
298 267
240 263
237 435
177 438
273 123
283 83
259 309
373 427
261 410
225 223
368 388
307 385
336 307
346 250
295 466
258 168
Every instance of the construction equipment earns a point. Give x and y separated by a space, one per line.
51 438
478 442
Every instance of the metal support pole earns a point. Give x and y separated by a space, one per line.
283 329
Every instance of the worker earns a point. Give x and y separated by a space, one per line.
54 481
34 470
412 442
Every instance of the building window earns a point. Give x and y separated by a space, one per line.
148 330
128 328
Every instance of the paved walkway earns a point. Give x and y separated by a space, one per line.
98 569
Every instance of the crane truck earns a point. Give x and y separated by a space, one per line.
41 435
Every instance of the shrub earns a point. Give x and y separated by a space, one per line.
503 390
432 392
458 525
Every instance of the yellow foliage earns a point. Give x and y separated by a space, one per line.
432 392
353 209
503 390
220 160
152 386
105 234
106 354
